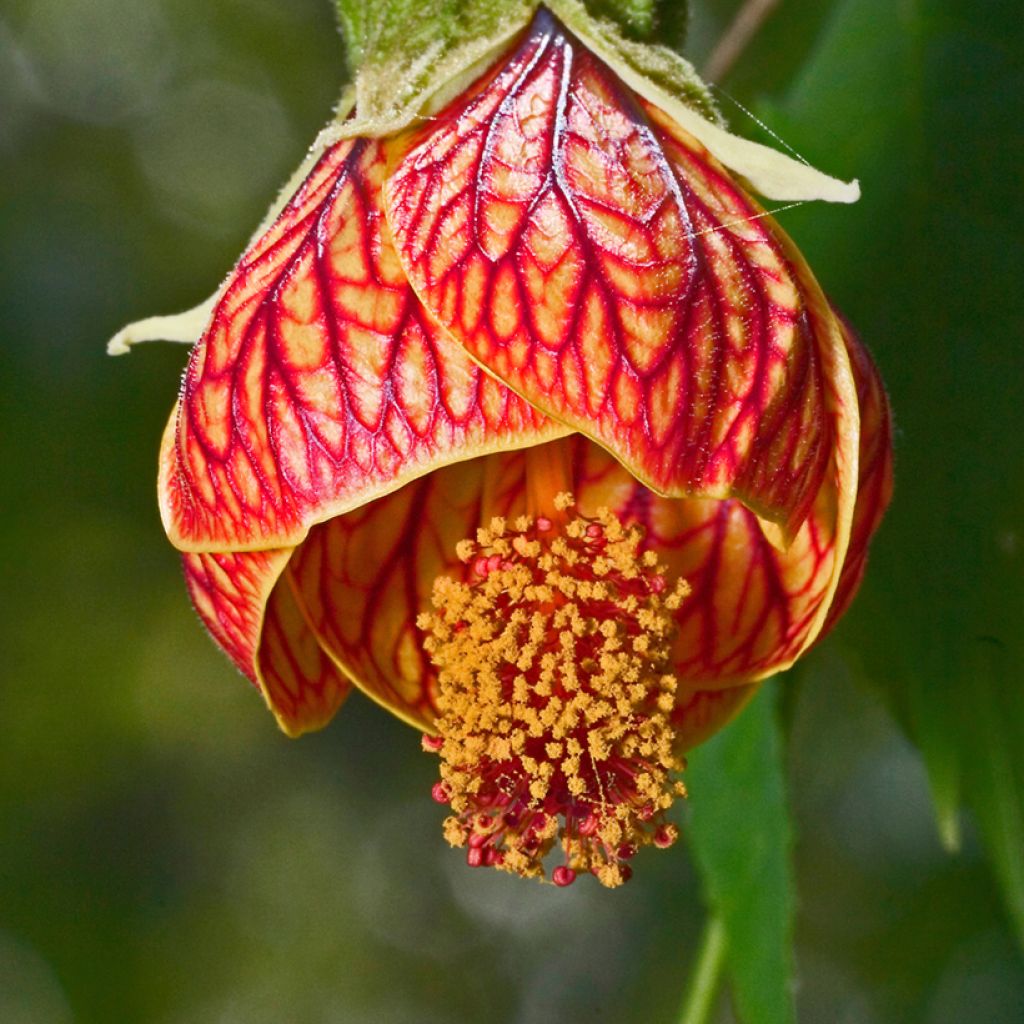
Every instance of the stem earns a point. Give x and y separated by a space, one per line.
707 974
737 37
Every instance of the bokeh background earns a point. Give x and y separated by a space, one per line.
167 856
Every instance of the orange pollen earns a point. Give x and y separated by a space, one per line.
555 696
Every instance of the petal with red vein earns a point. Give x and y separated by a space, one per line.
363 578
596 258
258 623
320 382
874 489
752 608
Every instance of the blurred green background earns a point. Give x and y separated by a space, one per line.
167 856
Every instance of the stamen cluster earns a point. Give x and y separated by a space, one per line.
555 696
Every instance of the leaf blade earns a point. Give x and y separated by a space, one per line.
938 627
741 837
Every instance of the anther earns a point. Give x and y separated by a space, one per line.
555 695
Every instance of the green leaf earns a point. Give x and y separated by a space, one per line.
922 101
740 834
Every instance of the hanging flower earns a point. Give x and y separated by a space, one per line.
527 421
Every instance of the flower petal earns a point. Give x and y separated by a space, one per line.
595 257
363 578
263 631
875 470
753 608
320 382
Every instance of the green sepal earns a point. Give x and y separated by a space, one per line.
381 22
402 56
407 63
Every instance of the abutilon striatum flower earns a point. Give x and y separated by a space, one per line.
526 420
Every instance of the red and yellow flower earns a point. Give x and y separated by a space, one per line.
529 423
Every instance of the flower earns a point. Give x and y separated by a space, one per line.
531 424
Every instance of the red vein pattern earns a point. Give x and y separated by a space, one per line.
364 577
596 258
261 628
320 382
752 607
